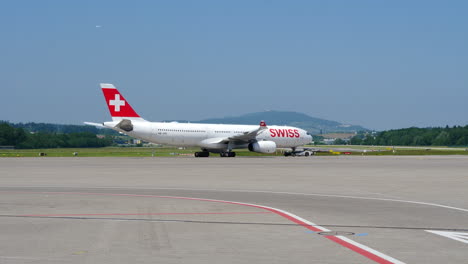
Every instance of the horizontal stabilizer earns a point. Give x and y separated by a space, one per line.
94 124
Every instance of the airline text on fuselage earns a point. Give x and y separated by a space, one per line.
289 133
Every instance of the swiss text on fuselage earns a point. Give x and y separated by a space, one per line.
289 133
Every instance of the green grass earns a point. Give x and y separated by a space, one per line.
388 147
399 150
417 152
401 153
114 152
347 147
175 152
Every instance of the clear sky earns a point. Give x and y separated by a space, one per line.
379 64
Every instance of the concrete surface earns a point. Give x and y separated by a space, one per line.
128 210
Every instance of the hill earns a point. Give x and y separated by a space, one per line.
312 124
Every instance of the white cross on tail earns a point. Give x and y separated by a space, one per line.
117 103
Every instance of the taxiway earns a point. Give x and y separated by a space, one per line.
240 210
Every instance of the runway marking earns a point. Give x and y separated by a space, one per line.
253 191
125 214
363 250
458 236
26 258
313 194
81 252
362 234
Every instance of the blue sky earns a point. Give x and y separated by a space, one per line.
379 64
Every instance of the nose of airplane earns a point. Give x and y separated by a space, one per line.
308 137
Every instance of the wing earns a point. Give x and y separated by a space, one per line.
246 137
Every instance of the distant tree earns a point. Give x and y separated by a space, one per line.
462 141
10 135
369 140
443 139
317 139
418 141
63 129
435 136
73 140
356 140
339 141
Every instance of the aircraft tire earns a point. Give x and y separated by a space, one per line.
203 154
227 154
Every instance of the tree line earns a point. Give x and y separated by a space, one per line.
436 136
21 138
60 128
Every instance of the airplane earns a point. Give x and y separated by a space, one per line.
210 138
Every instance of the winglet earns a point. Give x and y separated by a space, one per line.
263 124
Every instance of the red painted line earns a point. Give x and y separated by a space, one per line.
335 239
359 250
125 214
350 244
297 221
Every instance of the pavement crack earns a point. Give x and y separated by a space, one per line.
238 223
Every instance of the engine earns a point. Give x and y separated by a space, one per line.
126 125
263 146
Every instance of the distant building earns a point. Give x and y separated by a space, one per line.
7 147
330 138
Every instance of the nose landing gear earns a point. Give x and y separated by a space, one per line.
229 154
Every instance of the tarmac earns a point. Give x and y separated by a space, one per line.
340 209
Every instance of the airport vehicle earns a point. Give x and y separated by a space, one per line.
300 152
214 138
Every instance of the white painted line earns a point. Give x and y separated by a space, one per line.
458 236
365 251
250 191
373 251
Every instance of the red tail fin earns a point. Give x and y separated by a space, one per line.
119 108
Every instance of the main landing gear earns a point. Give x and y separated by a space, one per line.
203 154
229 154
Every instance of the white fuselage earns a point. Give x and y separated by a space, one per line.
208 136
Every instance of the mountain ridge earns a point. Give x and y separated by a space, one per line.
312 124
